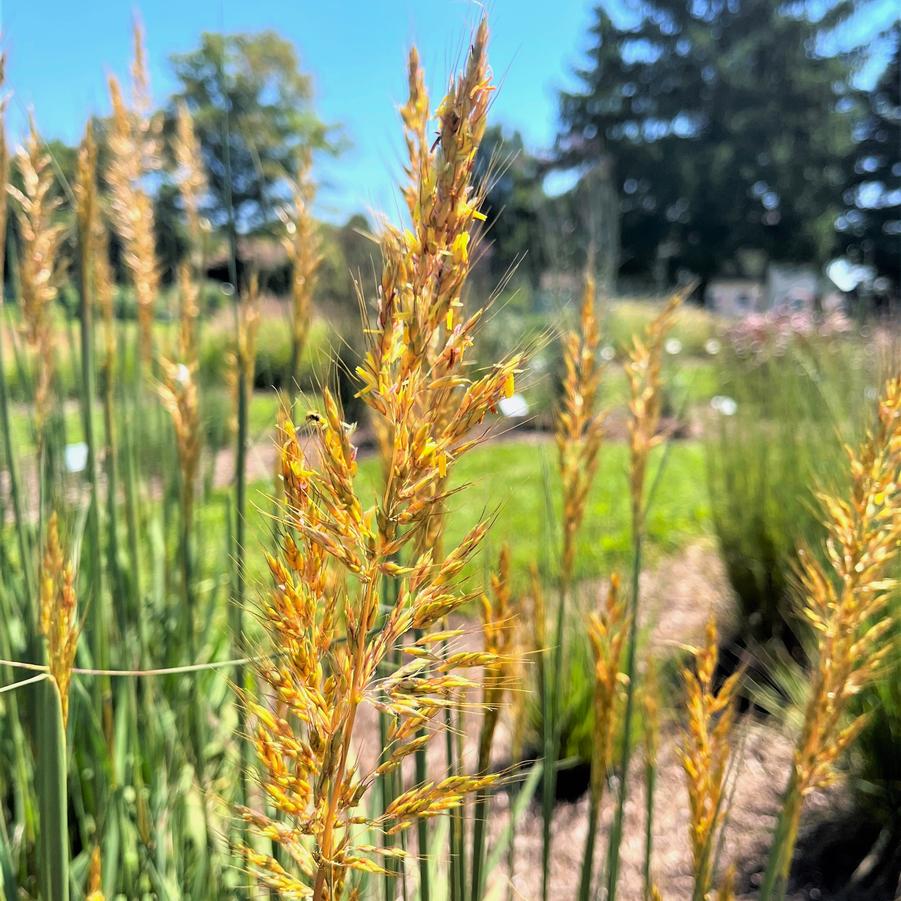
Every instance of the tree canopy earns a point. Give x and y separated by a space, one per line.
252 108
870 227
721 125
512 206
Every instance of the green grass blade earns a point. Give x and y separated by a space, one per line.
52 794
616 831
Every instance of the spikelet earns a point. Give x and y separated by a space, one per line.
848 609
579 425
40 266
705 755
301 243
643 372
134 151
325 609
58 614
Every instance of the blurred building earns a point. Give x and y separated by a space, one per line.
735 297
785 288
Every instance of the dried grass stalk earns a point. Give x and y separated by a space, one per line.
134 152
302 245
40 265
190 176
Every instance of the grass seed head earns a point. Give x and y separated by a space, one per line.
58 613
40 262
133 153
579 425
332 561
706 753
643 372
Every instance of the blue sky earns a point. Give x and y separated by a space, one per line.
59 52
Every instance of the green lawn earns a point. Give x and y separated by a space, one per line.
513 480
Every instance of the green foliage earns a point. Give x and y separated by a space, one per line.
51 779
273 355
252 108
694 328
515 238
869 227
574 687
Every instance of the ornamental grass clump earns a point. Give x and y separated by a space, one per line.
337 640
847 604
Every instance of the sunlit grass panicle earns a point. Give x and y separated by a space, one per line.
499 625
579 425
190 176
302 245
58 613
644 374
40 264
178 391
134 152
412 377
848 607
608 631
705 755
